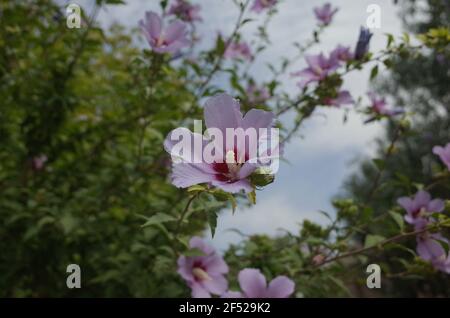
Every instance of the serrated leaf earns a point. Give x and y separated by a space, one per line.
158 218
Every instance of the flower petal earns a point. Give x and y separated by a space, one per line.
257 118
187 174
185 145
280 287
247 169
252 282
185 268
198 242
216 285
232 294
153 23
429 249
436 205
438 150
314 60
175 31
216 265
406 203
222 111
421 199
234 187
198 291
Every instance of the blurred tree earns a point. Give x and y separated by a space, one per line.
82 121
421 86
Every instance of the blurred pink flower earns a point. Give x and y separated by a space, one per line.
419 208
443 153
164 40
379 106
203 274
319 67
343 98
325 13
257 94
38 162
260 5
318 259
342 53
185 11
253 285
238 50
430 249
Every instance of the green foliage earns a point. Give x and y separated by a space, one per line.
99 109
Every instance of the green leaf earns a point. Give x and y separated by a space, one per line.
372 240
262 179
252 197
340 284
220 195
379 163
390 40
374 72
196 188
406 38
246 21
398 218
158 218
233 202
212 221
388 63
220 45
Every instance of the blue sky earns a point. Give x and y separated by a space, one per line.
325 150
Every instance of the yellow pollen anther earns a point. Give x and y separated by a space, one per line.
229 157
160 41
200 274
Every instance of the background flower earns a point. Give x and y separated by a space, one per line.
203 274
185 11
260 5
319 67
164 40
343 98
419 208
325 13
443 153
238 50
253 285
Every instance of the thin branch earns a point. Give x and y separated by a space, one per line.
216 66
381 244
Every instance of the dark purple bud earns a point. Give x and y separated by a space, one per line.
362 47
